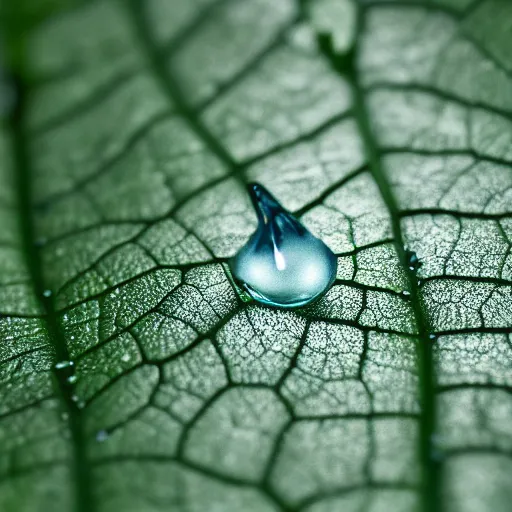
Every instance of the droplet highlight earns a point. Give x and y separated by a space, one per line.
63 364
282 264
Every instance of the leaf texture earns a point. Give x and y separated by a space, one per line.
122 196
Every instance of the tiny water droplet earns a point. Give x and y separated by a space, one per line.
412 260
101 436
282 264
432 337
47 293
125 358
72 379
63 364
406 293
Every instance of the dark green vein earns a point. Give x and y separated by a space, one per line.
453 213
23 174
250 67
193 27
474 330
329 190
368 287
346 66
430 490
171 88
26 407
294 359
308 503
474 385
109 163
447 153
420 88
496 281
94 100
305 137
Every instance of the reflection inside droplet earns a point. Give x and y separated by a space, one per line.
282 264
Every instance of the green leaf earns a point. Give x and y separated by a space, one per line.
135 377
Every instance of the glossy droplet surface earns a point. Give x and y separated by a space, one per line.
282 264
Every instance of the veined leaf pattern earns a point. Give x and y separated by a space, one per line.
122 196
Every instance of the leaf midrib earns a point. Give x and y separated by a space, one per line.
23 182
430 495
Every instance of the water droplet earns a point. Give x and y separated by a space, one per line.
101 436
412 260
432 337
63 364
125 358
282 264
406 293
47 293
72 379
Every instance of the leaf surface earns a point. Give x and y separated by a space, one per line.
123 171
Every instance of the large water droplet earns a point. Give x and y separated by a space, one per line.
282 264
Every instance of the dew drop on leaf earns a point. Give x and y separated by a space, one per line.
282 264
63 364
101 436
47 293
125 358
412 260
72 379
